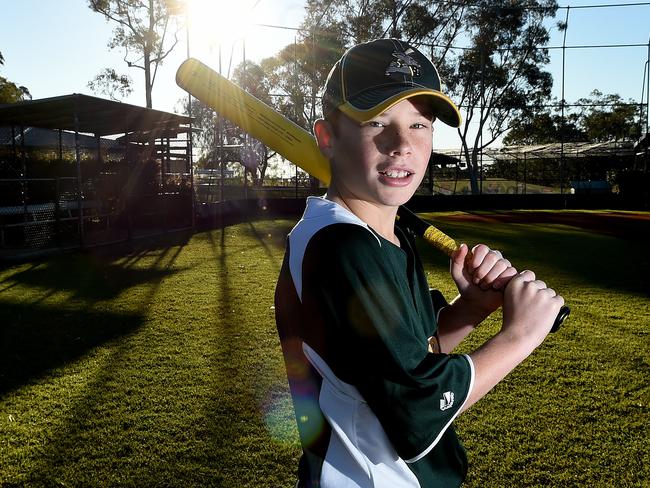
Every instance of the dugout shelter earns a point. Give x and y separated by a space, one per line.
78 170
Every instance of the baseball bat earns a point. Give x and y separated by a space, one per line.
288 139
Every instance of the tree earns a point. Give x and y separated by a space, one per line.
143 31
415 21
109 83
597 118
235 144
298 73
254 155
9 91
545 127
608 117
501 76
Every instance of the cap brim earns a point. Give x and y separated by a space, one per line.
443 108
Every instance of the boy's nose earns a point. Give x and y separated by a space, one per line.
398 143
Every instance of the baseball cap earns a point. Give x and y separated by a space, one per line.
372 77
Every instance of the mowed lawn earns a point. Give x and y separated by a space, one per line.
161 366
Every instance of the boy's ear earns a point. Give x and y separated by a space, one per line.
324 137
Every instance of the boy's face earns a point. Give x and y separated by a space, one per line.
384 160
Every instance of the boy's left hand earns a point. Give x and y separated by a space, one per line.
482 277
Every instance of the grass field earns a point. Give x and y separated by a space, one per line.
162 366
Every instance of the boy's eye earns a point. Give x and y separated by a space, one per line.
373 123
419 125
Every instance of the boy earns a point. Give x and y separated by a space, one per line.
375 386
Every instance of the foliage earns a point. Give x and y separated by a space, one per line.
543 128
501 75
416 21
298 73
598 118
9 91
143 30
608 117
111 84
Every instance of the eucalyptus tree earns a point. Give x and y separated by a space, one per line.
147 31
9 91
500 75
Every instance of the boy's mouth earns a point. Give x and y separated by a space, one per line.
396 173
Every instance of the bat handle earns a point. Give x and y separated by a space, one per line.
447 245
559 320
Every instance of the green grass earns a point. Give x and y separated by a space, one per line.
162 366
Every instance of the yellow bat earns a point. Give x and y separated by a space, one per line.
288 139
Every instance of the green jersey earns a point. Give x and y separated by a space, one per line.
374 406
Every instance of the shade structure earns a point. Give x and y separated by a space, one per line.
87 114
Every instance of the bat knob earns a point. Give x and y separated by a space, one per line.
561 315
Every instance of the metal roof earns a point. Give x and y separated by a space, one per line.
569 149
91 115
49 138
554 150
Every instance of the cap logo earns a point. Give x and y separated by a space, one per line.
403 64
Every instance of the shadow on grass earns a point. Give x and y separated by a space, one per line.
582 256
35 339
87 280
237 416
87 422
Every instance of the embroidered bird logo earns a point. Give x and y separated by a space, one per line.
403 64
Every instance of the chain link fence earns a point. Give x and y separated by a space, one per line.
115 193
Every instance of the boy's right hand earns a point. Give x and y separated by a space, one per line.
529 309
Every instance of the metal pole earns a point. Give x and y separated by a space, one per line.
525 172
563 102
190 161
295 70
79 189
482 108
647 112
220 147
163 175
23 172
129 188
57 203
243 41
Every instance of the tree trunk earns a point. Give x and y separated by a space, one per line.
147 56
262 168
474 172
147 79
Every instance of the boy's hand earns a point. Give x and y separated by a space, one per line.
529 308
482 278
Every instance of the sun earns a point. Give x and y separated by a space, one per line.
221 21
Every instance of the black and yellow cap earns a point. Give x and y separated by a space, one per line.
373 76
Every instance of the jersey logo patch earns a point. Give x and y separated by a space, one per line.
447 400
434 345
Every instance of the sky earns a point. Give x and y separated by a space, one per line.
55 47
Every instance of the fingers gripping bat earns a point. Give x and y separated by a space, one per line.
288 139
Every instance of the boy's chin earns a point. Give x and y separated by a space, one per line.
396 200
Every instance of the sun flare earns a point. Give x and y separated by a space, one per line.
221 21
